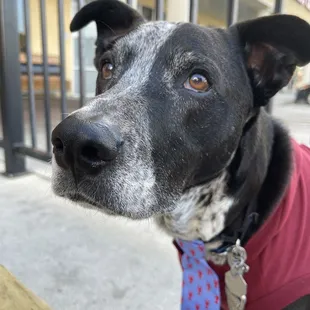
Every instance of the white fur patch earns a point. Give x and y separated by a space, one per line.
200 213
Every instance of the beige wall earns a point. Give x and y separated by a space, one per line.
207 20
147 3
178 10
293 7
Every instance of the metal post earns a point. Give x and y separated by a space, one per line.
10 86
194 6
81 60
232 11
277 9
159 9
278 6
31 96
47 104
61 31
133 3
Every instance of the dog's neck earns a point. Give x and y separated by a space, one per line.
257 176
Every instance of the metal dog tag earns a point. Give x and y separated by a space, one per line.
236 289
235 285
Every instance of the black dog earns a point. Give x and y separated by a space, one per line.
177 131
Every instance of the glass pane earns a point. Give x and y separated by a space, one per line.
90 82
254 9
88 52
212 13
147 13
20 16
90 30
76 52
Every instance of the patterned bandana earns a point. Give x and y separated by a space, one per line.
201 289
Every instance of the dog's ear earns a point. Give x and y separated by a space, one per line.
113 19
274 46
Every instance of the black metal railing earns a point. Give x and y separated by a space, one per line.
80 3
193 11
12 100
31 97
47 71
160 9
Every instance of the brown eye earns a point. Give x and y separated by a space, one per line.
107 71
197 82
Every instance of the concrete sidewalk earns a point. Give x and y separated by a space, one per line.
78 259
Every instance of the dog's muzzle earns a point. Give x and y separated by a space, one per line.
85 146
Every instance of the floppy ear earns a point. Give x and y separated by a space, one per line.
274 46
113 19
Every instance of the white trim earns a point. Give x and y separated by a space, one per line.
178 11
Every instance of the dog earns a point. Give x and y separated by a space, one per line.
178 132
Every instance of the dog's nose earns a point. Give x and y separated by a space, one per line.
85 145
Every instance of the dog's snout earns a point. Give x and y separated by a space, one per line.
84 144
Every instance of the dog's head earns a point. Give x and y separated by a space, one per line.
172 101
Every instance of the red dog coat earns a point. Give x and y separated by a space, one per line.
279 253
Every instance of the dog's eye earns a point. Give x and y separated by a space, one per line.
197 82
107 71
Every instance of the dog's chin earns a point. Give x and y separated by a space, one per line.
88 203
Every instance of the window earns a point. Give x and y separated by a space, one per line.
21 25
147 12
20 16
89 36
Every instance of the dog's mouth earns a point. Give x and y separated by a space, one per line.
87 202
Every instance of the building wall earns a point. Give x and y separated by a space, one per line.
208 20
147 3
205 18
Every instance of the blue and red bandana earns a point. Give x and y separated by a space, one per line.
201 289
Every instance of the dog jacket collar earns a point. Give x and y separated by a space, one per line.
200 286
279 252
228 241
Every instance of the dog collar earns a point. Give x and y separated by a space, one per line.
241 234
219 256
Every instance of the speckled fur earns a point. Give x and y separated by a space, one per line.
200 213
132 182
175 138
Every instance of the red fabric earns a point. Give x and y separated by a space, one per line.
279 253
